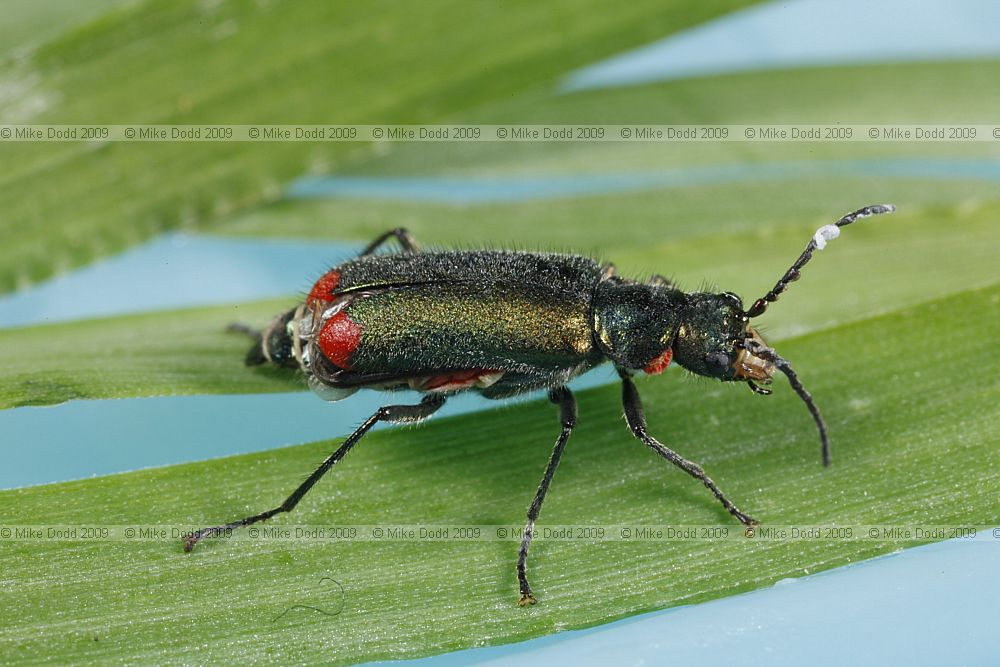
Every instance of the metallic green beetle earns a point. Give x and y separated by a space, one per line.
503 323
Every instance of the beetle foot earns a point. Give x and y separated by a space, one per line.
745 519
751 526
191 540
526 600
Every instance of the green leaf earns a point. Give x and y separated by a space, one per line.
26 23
150 354
911 402
898 353
191 62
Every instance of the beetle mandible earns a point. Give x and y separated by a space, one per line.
503 323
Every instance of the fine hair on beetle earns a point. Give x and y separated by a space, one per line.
502 323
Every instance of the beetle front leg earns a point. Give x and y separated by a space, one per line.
401 234
562 397
636 419
389 413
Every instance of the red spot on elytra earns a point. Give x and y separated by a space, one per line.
323 289
659 362
339 338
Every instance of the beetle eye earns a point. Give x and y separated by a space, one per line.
735 298
717 361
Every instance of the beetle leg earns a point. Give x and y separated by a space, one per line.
244 329
562 397
637 423
255 355
401 234
389 413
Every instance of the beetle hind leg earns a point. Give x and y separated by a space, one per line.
389 413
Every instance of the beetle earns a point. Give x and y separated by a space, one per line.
502 323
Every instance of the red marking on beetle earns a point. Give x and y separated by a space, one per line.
339 338
659 362
323 289
455 380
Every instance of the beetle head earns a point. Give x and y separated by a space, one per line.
711 340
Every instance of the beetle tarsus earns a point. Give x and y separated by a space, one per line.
745 519
526 600
191 540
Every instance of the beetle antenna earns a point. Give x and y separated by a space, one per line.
817 242
807 398
770 355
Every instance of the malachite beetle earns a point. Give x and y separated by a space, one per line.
503 323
